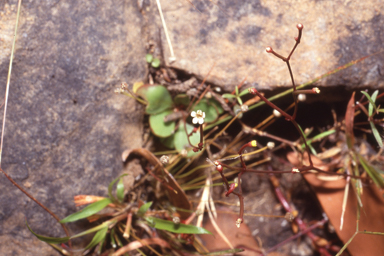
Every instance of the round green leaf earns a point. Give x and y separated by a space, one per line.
149 58
168 142
155 63
181 139
157 96
211 108
182 99
120 190
158 127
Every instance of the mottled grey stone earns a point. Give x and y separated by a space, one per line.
66 129
234 34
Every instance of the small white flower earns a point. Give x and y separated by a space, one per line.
244 108
295 170
198 116
176 220
164 159
238 222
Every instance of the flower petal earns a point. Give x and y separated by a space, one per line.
193 114
201 120
194 120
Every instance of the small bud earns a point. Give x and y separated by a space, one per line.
216 163
208 95
301 97
299 26
217 89
253 143
244 108
200 144
232 187
289 217
195 150
176 220
238 222
295 170
118 91
276 113
164 159
252 90
269 49
219 168
271 145
316 90
184 152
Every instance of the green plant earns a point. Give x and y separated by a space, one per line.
154 62
121 220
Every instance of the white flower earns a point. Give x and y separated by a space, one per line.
164 159
198 116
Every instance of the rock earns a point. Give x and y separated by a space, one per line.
231 37
66 129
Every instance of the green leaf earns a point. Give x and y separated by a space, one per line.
182 99
239 101
158 127
217 106
87 211
376 134
94 229
149 58
168 142
372 172
228 96
120 190
225 252
211 109
155 63
373 97
372 100
319 136
181 140
157 96
176 228
99 236
143 209
237 91
244 92
47 239
110 186
312 149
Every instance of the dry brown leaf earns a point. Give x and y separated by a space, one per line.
349 117
330 195
239 237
